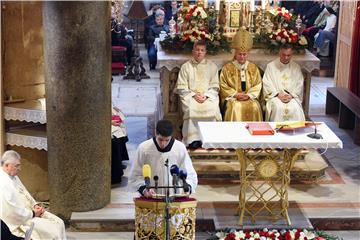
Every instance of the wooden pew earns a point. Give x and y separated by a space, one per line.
346 105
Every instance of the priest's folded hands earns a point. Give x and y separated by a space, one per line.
284 97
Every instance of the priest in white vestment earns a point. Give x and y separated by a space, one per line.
19 208
283 85
156 152
198 88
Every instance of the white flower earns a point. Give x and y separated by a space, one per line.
239 235
283 40
289 40
278 38
256 235
303 41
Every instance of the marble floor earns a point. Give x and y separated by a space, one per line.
336 196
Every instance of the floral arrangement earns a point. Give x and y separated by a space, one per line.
265 234
281 27
196 23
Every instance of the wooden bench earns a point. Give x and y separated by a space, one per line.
346 105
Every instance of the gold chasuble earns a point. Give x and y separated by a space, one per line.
198 77
241 78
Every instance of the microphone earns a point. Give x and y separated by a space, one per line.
183 176
146 172
156 180
174 170
314 135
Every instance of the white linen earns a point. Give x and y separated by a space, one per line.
235 135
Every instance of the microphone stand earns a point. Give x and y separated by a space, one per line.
167 203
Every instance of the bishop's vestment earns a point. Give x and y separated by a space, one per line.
241 78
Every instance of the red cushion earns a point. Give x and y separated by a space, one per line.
118 65
118 48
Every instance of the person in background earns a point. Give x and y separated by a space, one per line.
160 150
328 33
19 208
154 32
119 139
171 11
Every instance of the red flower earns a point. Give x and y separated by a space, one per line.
320 238
230 236
287 236
202 35
195 34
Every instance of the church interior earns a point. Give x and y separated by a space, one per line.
65 65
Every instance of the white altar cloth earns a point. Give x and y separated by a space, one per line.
235 135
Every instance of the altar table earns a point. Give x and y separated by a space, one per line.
170 65
270 157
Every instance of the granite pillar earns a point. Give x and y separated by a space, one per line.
78 104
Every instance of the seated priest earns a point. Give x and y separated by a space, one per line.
283 85
157 152
198 88
240 83
19 209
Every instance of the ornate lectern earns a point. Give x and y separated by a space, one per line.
150 215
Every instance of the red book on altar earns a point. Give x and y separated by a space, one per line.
260 128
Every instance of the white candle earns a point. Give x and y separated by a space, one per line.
205 3
217 5
252 5
263 4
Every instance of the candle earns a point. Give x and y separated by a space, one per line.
252 5
217 5
205 3
263 4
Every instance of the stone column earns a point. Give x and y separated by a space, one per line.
78 104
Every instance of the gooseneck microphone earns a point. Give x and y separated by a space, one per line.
183 176
146 172
315 135
174 170
156 180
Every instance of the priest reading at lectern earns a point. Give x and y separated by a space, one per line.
154 154
283 85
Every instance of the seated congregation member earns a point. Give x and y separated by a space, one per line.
283 85
328 33
198 88
19 208
154 32
155 152
240 83
119 151
171 10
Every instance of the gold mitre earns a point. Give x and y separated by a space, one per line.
242 41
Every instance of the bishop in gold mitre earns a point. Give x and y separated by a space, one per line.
240 83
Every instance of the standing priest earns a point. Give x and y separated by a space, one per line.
198 88
283 88
240 83
156 152
19 209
